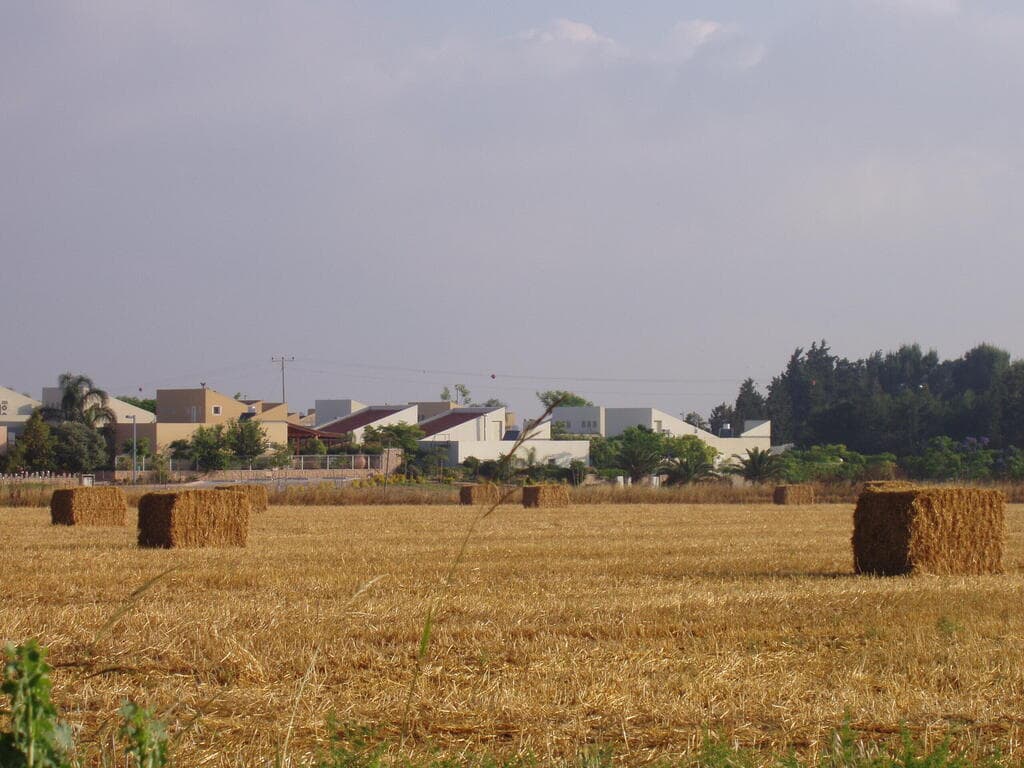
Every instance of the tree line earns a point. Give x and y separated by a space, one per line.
933 418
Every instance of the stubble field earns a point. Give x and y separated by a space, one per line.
636 627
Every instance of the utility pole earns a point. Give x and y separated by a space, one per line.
282 360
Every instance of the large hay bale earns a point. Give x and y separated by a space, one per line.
545 496
793 494
89 505
928 530
195 518
259 500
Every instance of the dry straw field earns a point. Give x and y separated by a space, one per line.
639 627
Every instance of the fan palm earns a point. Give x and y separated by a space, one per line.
689 469
759 465
81 402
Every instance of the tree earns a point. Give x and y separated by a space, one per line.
689 469
721 415
401 435
34 449
81 402
562 398
208 447
690 459
314 447
180 450
695 419
494 402
78 448
758 466
641 452
145 403
142 448
446 394
462 394
246 439
750 406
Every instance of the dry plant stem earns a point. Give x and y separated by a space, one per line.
428 622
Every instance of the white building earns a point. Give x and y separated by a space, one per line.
15 410
480 432
375 416
611 422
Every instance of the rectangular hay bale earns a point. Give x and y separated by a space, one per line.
194 518
89 505
259 500
793 494
545 496
945 530
483 493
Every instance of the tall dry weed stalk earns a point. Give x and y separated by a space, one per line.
460 554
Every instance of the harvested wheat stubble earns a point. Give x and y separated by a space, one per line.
257 494
207 518
793 494
928 530
545 496
89 506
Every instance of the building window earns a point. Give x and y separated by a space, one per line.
216 410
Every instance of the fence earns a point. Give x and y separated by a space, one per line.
381 462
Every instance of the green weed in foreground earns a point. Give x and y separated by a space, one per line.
38 738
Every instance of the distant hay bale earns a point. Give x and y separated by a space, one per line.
257 494
793 494
480 494
89 505
545 496
489 493
928 530
195 518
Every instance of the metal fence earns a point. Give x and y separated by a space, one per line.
342 461
330 461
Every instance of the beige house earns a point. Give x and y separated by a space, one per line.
15 410
180 412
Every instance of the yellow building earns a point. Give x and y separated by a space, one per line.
180 412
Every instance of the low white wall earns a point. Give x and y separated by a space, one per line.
561 451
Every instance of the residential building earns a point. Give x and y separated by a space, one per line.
327 411
123 412
180 412
376 416
15 410
480 432
611 422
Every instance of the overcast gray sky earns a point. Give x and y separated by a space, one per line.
644 202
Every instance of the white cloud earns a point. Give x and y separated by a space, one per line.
689 36
567 31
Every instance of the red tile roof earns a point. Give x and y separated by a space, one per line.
451 419
359 419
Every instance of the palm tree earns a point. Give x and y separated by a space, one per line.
759 466
80 402
689 469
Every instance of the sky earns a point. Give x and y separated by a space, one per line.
641 202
